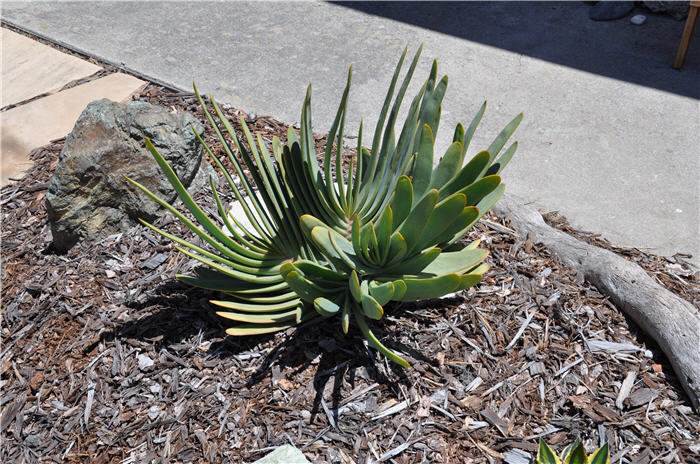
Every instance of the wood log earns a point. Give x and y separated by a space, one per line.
671 321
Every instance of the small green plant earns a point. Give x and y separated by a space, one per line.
321 241
572 454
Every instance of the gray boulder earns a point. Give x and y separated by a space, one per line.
679 10
607 11
88 197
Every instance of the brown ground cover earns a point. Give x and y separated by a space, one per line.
106 358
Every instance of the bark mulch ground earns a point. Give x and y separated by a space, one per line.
106 358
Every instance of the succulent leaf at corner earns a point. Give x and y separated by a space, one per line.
354 285
325 307
546 455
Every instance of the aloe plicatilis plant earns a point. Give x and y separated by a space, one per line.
319 241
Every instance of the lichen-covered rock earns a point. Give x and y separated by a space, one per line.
88 197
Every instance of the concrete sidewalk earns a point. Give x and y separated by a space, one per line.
611 136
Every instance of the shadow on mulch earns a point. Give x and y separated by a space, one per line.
184 312
180 313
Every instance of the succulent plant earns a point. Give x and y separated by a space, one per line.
572 454
320 241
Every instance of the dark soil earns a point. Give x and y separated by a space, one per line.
106 358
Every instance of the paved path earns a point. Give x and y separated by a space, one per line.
611 136
44 91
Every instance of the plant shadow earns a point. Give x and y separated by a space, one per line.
180 318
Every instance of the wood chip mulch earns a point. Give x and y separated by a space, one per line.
106 358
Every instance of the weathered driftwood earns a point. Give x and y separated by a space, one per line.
670 320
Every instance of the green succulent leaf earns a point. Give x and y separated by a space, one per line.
399 290
431 287
458 228
210 279
467 175
545 454
457 262
487 202
397 249
364 328
374 253
275 298
317 271
307 290
412 228
401 202
482 208
259 329
460 136
478 190
371 307
416 264
321 237
600 456
308 222
449 164
345 316
469 280
356 235
259 318
373 157
326 307
365 235
576 456
258 307
480 269
502 160
246 277
383 233
381 292
423 168
495 148
232 260
472 128
444 215
566 451
354 285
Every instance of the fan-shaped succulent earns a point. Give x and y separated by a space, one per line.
572 454
318 240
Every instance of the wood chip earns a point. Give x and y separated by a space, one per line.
625 389
517 456
492 418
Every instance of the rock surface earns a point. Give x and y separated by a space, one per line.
88 197
286 454
679 10
638 19
607 11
